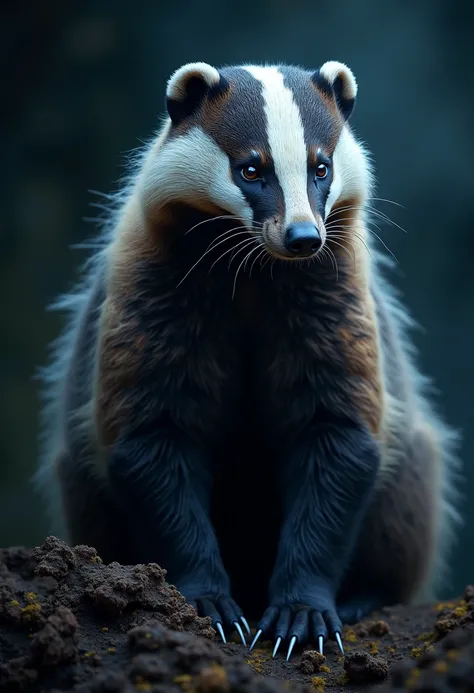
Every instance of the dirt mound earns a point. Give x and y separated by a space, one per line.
69 622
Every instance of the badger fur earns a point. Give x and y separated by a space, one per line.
235 396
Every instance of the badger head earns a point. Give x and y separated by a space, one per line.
268 146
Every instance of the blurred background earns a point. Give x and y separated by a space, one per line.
85 85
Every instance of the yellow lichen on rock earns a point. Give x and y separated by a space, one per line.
318 683
257 659
31 611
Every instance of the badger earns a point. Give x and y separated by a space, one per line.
236 395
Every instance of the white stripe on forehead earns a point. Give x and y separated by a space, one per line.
285 133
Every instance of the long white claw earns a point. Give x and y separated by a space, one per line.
277 645
257 635
339 641
221 632
240 632
290 649
246 625
321 644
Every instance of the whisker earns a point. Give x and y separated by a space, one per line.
206 252
377 236
246 262
262 252
371 210
384 217
236 252
382 199
238 268
364 204
234 255
267 260
384 245
206 221
353 235
258 245
233 249
213 243
340 220
250 240
329 228
343 209
351 254
223 216
324 253
351 221
333 258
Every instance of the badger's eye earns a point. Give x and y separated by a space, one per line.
250 173
322 171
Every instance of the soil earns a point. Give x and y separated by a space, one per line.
68 622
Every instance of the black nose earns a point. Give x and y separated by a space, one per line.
302 239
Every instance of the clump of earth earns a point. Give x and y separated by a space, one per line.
68 622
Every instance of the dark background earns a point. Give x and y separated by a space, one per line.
84 85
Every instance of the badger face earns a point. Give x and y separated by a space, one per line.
267 146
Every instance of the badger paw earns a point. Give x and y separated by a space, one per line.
224 613
300 624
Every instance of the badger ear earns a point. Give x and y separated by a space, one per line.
338 81
189 86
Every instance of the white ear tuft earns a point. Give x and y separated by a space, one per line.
188 87
333 70
341 81
176 88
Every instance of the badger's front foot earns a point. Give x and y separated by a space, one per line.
155 475
311 618
224 613
327 482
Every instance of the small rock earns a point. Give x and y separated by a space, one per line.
213 679
54 558
86 554
361 629
361 667
56 642
149 638
379 628
311 662
443 626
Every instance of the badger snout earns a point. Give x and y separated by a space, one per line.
302 239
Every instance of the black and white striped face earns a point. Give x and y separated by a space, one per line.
268 145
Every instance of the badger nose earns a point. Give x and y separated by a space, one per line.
302 239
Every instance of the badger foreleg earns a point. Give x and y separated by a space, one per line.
163 480
327 480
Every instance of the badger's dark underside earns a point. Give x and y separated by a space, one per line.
270 513
247 514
